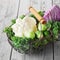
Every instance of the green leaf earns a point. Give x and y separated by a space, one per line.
49 25
8 31
45 42
32 35
41 13
39 34
58 23
46 33
42 27
37 44
22 16
13 21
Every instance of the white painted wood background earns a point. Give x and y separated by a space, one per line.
12 9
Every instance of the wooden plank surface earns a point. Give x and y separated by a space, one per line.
8 10
17 56
4 46
48 51
45 4
36 5
23 9
57 50
56 2
57 44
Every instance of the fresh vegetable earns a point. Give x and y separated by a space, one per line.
46 33
22 16
25 27
42 27
39 34
41 13
30 35
13 21
52 14
26 33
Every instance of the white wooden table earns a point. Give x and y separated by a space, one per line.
12 9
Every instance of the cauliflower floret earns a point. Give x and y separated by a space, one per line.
17 30
24 27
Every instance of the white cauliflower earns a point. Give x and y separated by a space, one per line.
25 27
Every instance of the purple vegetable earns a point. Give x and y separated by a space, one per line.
52 14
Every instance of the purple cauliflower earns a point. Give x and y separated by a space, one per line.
52 14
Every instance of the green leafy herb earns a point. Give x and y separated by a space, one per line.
22 16
13 21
